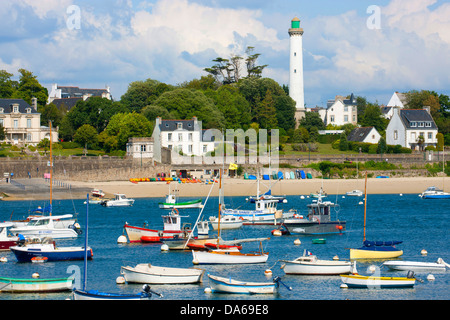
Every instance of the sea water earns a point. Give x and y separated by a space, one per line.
419 223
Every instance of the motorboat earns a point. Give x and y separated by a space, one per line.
48 249
172 230
226 222
171 202
228 285
6 240
265 213
311 265
417 266
145 294
318 220
56 227
120 200
354 193
147 273
435 193
36 285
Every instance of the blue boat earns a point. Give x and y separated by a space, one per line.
435 193
47 249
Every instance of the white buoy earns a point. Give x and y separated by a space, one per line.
195 261
430 277
302 197
164 247
122 239
360 202
35 275
268 272
3 259
344 286
401 194
423 252
208 290
276 232
372 268
335 258
120 280
297 242
343 197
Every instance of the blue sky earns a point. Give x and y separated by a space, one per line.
347 47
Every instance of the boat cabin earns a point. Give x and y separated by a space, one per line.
266 205
320 210
172 222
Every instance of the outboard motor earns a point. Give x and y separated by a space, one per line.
410 274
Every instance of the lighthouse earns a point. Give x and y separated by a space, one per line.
296 68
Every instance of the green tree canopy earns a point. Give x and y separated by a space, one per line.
123 126
372 117
143 93
29 87
86 134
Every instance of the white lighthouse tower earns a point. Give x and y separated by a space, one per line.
296 68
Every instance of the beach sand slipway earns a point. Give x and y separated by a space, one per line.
231 187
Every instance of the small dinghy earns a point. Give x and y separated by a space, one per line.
417 266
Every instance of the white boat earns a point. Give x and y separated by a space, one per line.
417 266
265 213
49 226
120 200
435 193
309 264
147 273
35 285
228 285
97 193
355 193
228 256
226 222
6 240
171 202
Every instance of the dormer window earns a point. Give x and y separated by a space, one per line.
179 126
15 109
413 124
1 110
428 124
28 110
420 124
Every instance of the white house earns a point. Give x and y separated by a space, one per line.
184 137
364 134
68 96
412 128
22 122
341 111
140 148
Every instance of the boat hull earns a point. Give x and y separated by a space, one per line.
5 245
121 203
181 205
314 227
66 253
224 285
138 234
320 267
374 253
182 245
371 282
227 257
95 295
415 266
15 285
144 273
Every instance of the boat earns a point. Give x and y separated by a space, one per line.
171 202
355 193
311 265
147 273
435 193
84 294
228 285
120 200
318 220
228 256
356 280
374 249
36 285
49 226
318 194
417 266
265 213
172 230
97 193
226 222
6 240
48 249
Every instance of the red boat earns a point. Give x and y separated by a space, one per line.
6 240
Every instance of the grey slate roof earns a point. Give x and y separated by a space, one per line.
6 104
359 134
172 125
68 102
71 92
417 115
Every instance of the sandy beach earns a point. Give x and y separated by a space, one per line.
36 189
241 187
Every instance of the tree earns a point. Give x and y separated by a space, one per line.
86 134
372 117
50 112
253 70
143 93
343 143
7 86
440 141
30 87
266 112
312 119
381 148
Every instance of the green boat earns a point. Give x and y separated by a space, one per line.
17 285
319 240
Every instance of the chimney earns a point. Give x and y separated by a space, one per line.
34 103
427 108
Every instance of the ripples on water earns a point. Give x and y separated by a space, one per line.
421 224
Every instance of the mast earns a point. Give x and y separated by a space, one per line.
220 204
86 243
51 167
365 207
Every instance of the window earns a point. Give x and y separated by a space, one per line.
420 124
331 118
28 123
180 137
345 118
205 148
143 148
190 148
28 110
413 124
15 109
395 134
169 137
179 125
190 137
295 70
169 146
295 54
1 110
1 123
16 124
428 124
430 135
354 118
29 136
